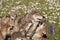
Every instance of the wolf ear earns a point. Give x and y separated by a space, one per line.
29 11
32 11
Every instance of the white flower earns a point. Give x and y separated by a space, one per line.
51 21
45 8
50 7
18 2
0 2
59 23
54 21
58 14
43 12
18 7
7 0
51 1
53 13
37 8
37 3
12 10
55 17
2 12
47 0
58 9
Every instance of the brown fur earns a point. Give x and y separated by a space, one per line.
19 25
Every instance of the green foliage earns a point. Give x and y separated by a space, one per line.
50 9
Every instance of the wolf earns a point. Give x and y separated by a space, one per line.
32 25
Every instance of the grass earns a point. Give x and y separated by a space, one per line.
50 12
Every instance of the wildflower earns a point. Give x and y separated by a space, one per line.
51 28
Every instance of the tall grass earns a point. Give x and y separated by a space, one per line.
49 8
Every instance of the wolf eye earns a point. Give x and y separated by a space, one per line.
43 17
40 22
11 28
44 36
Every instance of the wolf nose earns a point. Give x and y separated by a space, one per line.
43 17
38 19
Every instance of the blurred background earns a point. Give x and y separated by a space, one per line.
49 8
